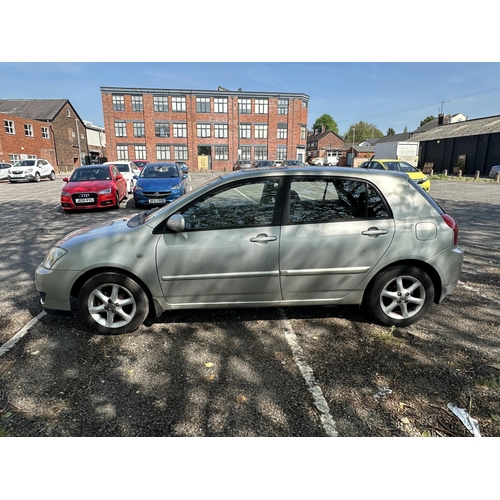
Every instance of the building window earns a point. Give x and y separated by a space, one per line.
122 152
179 104
260 131
245 131
260 152
221 152
304 104
28 130
162 152
246 153
139 130
9 127
203 130
45 132
181 152
220 130
162 129
281 153
203 104
245 106
160 103
303 132
282 132
13 158
261 106
180 130
68 113
118 103
220 105
120 129
140 152
282 106
137 104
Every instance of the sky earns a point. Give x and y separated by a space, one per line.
385 94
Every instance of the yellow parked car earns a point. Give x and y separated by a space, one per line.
401 166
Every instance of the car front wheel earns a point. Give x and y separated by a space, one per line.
112 303
37 177
52 176
400 296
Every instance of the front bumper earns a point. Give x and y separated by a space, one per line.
55 289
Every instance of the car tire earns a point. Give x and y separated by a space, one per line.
112 303
400 295
37 177
52 176
117 204
12 182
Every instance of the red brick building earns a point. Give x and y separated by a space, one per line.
321 142
209 129
66 145
22 138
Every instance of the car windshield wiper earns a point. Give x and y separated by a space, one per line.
138 219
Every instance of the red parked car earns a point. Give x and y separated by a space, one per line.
93 186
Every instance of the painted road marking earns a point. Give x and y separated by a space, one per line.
20 334
327 421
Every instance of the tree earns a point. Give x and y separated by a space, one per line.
361 131
328 122
405 131
390 131
428 119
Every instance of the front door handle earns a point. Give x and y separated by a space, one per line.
263 238
374 232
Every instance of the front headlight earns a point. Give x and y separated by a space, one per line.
64 193
176 187
138 188
55 253
106 191
28 170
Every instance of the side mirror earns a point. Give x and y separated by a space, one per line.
119 176
177 223
135 176
185 176
65 179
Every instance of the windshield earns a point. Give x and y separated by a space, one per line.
25 163
90 174
159 171
122 167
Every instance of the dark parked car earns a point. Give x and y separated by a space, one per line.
293 163
263 238
242 164
262 164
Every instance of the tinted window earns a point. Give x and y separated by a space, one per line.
243 204
314 200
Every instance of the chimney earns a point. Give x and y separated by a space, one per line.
440 119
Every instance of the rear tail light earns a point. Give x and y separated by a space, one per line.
451 222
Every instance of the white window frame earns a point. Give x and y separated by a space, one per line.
178 104
260 152
260 131
179 129
160 103
45 133
121 152
221 152
118 103
245 131
139 130
137 105
220 105
120 130
10 127
162 127
181 152
261 106
28 130
162 152
221 130
140 152
244 106
203 130
203 105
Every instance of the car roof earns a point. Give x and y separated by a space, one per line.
162 164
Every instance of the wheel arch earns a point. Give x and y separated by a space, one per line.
424 266
154 309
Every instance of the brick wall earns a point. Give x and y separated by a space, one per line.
296 117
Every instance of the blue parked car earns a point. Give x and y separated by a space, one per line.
158 184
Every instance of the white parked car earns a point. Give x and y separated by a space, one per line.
32 170
3 170
128 169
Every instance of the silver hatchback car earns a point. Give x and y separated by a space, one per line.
273 237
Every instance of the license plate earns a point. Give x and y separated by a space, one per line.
85 200
156 201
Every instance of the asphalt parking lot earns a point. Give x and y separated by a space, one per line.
260 372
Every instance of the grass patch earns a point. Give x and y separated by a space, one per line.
490 382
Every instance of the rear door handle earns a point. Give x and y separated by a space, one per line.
374 232
263 238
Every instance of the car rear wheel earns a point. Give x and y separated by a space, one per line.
117 203
400 296
111 304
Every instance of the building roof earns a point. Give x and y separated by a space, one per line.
34 109
321 135
394 138
219 91
488 125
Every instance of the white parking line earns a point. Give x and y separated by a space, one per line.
327 421
20 334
